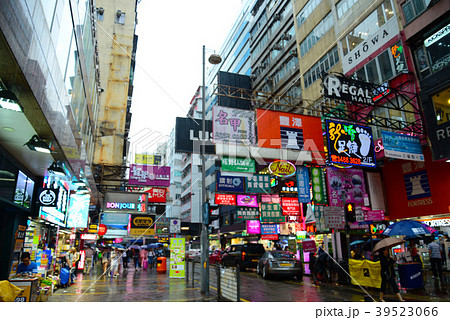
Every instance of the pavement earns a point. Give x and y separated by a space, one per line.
149 286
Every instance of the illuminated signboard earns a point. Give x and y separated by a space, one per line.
253 227
282 168
225 199
78 212
88 236
290 206
125 202
247 201
350 144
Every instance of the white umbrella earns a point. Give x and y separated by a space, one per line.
387 243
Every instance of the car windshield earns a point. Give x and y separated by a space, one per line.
255 248
281 254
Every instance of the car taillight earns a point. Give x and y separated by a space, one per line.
243 255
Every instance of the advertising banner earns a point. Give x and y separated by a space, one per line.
346 186
334 217
273 228
225 199
243 214
148 159
271 212
253 227
272 237
234 126
304 194
290 206
246 200
188 134
288 186
289 131
350 144
229 183
320 218
141 174
365 273
238 164
175 226
125 202
177 256
78 211
259 183
142 225
156 195
269 198
319 186
309 246
115 219
401 146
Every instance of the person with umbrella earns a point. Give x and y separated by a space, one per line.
387 266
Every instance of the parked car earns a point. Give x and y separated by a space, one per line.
280 263
215 256
243 256
193 251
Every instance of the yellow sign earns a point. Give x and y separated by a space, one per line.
282 168
365 273
142 232
148 159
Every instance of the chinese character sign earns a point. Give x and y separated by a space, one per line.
319 187
157 195
350 144
304 195
259 183
149 175
233 126
225 199
346 186
290 206
243 214
271 212
177 256
229 183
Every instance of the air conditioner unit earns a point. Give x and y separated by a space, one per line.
278 47
277 17
293 52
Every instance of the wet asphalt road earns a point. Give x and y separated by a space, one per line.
150 286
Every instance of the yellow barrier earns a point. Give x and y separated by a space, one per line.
365 273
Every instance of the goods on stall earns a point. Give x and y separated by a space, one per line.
8 291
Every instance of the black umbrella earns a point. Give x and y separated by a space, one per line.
369 244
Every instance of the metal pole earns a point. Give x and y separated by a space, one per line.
204 288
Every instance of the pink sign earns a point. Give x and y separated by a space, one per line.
345 186
267 198
247 201
374 215
141 174
253 227
309 246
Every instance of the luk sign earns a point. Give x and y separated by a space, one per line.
341 88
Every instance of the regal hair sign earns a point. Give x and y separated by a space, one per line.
341 88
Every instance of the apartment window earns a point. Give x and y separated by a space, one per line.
120 17
306 11
367 27
343 6
413 8
316 34
323 65
100 13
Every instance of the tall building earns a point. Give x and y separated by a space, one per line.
117 43
49 99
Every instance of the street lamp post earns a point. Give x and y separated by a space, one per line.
204 237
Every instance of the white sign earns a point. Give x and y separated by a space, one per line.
234 126
175 226
372 44
437 36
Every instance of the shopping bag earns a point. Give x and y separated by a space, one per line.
8 291
145 264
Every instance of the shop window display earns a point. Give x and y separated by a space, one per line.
441 102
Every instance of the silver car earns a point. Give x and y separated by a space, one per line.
282 263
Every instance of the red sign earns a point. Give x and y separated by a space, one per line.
290 206
309 246
225 199
82 258
269 237
102 230
157 195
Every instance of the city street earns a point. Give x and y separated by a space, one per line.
150 286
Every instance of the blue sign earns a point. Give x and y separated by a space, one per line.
117 220
304 194
229 183
417 185
270 229
401 146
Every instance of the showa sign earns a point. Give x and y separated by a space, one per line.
350 144
342 88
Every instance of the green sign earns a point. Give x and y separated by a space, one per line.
271 212
319 187
177 255
244 213
259 183
238 164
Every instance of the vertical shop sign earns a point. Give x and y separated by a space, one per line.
350 144
320 218
318 183
259 183
304 195
334 217
177 255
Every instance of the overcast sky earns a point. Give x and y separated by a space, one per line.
169 60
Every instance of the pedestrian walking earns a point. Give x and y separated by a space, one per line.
151 256
435 252
136 259
89 255
115 261
106 257
125 259
143 258
388 275
73 256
